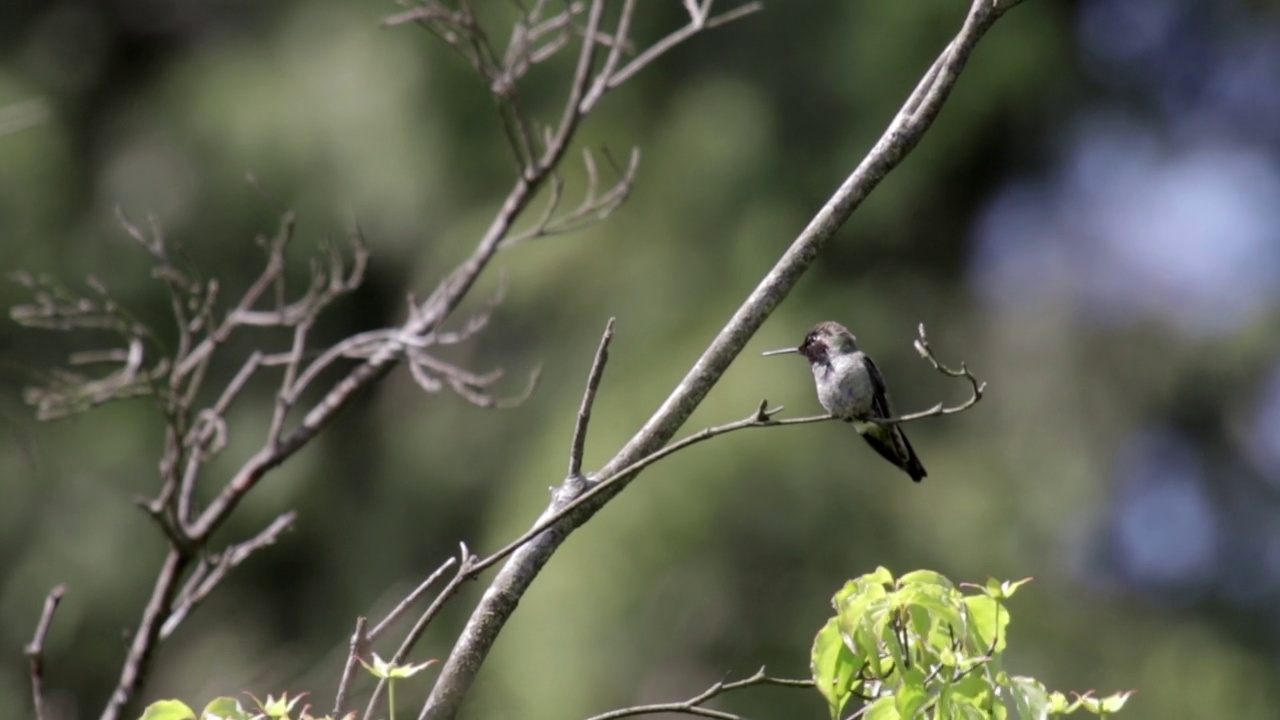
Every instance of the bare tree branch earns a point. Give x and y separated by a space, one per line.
694 705
464 573
193 436
698 22
359 648
926 352
594 207
579 440
35 648
214 568
412 598
903 134
581 79
602 483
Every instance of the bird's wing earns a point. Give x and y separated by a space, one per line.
880 399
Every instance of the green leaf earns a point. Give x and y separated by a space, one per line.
834 667
1103 706
1090 703
280 707
1114 703
911 694
882 709
925 577
850 589
1009 587
947 657
223 708
881 576
881 620
928 641
870 651
969 712
874 583
168 710
853 610
1030 698
1003 589
924 626
945 623
987 622
972 689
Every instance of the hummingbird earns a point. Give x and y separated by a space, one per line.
851 388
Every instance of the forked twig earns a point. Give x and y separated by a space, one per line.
35 649
926 352
694 705
464 573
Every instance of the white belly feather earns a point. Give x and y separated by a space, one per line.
844 388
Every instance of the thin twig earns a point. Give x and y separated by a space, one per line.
593 207
579 441
359 647
601 85
667 43
240 315
461 576
762 417
693 706
573 114
35 648
214 569
410 599
285 395
926 352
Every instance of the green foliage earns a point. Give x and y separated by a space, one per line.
391 672
225 708
281 708
920 647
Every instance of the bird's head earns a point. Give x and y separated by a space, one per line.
822 341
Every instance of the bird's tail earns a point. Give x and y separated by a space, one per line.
892 444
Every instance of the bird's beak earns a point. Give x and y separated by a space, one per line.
784 351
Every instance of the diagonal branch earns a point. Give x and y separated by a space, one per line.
194 434
602 483
399 610
465 572
363 638
214 569
903 134
575 494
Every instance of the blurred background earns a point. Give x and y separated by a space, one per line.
1093 224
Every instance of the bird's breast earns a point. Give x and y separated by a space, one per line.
844 387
